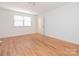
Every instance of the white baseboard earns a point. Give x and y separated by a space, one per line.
57 37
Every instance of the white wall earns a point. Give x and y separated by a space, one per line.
7 27
63 22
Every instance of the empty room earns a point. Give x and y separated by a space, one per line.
39 28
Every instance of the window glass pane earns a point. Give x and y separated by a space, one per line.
18 20
18 24
27 21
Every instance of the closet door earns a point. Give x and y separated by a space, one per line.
41 24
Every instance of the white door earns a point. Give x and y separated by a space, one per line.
41 24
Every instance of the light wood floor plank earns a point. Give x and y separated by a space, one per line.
37 45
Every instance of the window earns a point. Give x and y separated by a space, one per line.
27 21
22 20
18 20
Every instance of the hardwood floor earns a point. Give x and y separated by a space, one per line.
37 45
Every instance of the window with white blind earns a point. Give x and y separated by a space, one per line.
22 20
